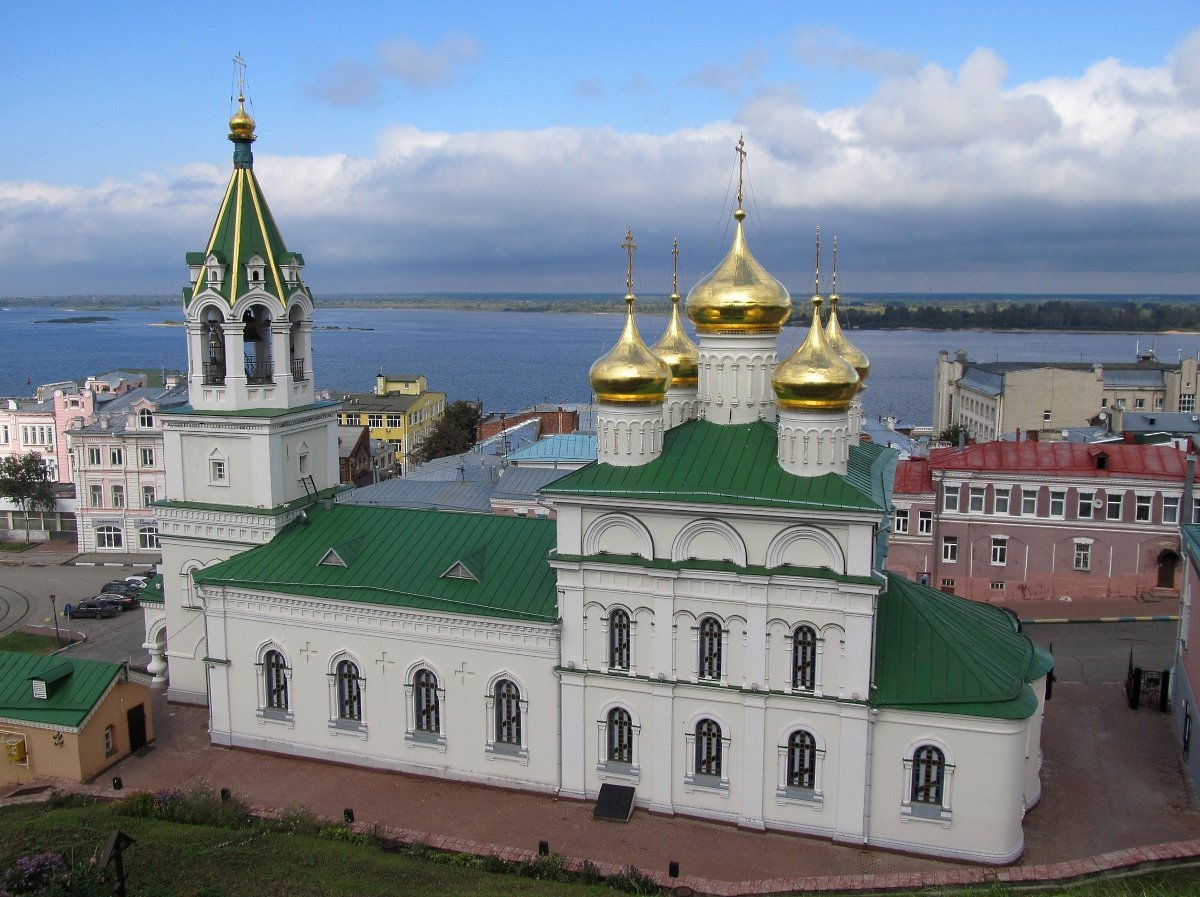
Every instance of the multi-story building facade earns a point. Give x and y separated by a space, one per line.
992 399
1015 520
400 412
118 461
40 425
1185 675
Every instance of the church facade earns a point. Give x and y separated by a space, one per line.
707 619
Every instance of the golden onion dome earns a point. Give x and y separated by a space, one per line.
241 125
838 342
739 296
678 351
815 377
630 374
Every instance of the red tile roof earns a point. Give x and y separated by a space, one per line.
912 477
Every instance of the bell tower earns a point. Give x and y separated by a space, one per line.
252 448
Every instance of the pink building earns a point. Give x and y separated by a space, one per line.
1015 520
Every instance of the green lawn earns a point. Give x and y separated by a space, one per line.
14 546
29 644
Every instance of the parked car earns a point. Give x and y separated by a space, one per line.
120 587
91 607
138 582
122 602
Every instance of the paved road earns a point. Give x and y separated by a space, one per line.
1098 653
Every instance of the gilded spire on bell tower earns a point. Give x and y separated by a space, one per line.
675 347
837 339
241 125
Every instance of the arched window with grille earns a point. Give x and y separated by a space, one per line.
508 713
802 761
349 692
708 748
928 776
804 658
620 736
619 641
710 648
275 678
427 710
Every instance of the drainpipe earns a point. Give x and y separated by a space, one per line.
1189 483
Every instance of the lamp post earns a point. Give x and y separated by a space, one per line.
54 611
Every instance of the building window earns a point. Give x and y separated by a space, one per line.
1058 504
118 496
109 537
802 761
95 496
275 677
975 499
1170 512
804 658
147 455
710 649
1047 415
1083 556
620 736
1139 403
1000 500
950 549
395 421
1029 502
999 551
375 421
93 456
3 434
1120 404
950 498
1195 510
925 523
349 692
1085 504
708 749
146 419
148 496
1141 510
148 538
116 457
618 640
1187 401
996 585
928 776
900 521
427 705
948 584
216 472
110 741
508 713
1114 506
1158 403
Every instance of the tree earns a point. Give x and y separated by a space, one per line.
451 434
953 433
23 479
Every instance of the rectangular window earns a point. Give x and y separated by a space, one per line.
304 464
925 523
1141 510
1170 509
950 498
1029 502
148 496
375 421
950 549
996 585
116 457
1139 403
975 499
94 456
999 551
1195 510
3 434
1046 416
110 746
900 520
1187 401
147 457
1001 501
1158 403
1058 504
1113 506
118 496
1083 556
216 471
95 496
1121 404
948 583
1085 504
395 421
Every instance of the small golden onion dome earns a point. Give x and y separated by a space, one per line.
241 125
630 374
838 342
678 351
739 296
815 377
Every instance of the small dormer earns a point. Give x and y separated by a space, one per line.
256 272
214 270
291 262
1099 458
48 680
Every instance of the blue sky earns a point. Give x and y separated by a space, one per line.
472 146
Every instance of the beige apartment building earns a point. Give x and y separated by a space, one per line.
1047 397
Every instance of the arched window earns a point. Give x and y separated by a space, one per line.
146 419
620 736
708 748
426 706
710 648
618 640
275 676
349 691
508 713
802 761
109 537
804 658
928 775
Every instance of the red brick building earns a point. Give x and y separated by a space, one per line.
1016 520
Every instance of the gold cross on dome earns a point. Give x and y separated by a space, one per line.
241 74
629 246
817 265
741 151
675 258
835 264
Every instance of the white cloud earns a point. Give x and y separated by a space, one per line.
829 46
418 66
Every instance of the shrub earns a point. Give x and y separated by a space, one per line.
345 834
47 874
548 868
199 806
297 821
633 881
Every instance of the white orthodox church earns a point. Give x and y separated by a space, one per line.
707 619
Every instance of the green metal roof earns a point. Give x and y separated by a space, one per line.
1191 542
635 560
399 557
153 593
942 654
302 502
73 687
704 463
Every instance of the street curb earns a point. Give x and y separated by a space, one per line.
1157 618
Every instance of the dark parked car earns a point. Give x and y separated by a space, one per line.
91 607
120 587
122 602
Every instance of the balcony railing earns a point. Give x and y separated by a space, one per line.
259 371
214 373
298 370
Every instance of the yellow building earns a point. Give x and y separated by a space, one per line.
401 411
